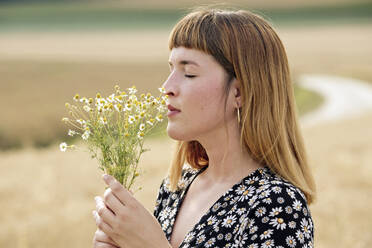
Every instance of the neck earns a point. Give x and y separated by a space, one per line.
228 161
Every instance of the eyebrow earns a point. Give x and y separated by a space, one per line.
185 62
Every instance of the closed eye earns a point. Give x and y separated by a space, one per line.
190 76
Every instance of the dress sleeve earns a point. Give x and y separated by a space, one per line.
159 199
279 219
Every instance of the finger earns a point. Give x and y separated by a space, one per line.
104 245
100 236
101 224
118 190
104 212
100 201
112 201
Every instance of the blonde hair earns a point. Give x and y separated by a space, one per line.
248 48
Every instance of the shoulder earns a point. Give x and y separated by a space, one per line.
279 214
273 187
274 195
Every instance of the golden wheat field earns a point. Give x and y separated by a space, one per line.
40 75
46 196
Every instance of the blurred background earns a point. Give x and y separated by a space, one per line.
50 50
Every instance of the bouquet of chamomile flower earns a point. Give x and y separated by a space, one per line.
114 128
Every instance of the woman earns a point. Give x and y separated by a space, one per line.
239 177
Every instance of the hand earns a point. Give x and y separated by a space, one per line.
101 240
125 220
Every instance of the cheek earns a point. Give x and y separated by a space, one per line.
209 102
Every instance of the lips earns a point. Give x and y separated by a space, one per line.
171 108
172 111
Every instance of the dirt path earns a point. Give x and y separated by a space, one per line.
344 98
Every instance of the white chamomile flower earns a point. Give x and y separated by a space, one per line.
132 90
142 127
118 107
128 107
71 132
86 108
133 97
85 135
84 100
63 146
140 135
101 102
159 118
162 90
76 97
119 98
161 108
131 119
150 122
111 98
81 121
103 120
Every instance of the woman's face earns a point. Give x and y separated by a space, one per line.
195 86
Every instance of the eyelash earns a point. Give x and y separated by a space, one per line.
190 76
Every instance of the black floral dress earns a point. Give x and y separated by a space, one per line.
261 211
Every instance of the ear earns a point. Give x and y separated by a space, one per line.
237 93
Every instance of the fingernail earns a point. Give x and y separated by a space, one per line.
94 214
105 177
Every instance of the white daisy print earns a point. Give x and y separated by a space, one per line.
229 221
278 223
275 211
266 234
300 236
260 212
268 218
268 244
291 242
297 205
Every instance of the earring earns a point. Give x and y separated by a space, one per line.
238 116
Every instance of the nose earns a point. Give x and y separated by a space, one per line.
170 86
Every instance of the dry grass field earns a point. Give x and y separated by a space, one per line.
47 196
41 71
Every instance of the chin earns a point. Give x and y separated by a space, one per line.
177 133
